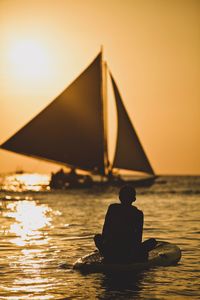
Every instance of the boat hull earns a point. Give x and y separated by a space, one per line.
118 182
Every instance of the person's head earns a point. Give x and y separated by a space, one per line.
127 194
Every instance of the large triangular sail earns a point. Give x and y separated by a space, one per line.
70 129
129 152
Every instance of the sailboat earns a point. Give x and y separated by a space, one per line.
72 130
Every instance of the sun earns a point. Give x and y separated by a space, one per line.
29 60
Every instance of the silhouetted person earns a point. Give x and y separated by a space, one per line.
73 177
111 177
121 239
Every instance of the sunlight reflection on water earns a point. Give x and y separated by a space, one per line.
26 231
26 182
29 218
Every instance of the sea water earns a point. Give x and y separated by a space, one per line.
41 229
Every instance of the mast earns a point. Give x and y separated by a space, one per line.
104 110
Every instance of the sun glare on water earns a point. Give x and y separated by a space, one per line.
26 182
29 219
28 232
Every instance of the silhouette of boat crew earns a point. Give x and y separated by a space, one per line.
62 180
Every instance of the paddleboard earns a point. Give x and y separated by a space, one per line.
164 254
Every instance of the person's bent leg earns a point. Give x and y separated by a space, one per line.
143 252
98 240
149 244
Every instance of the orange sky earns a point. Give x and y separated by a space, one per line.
152 48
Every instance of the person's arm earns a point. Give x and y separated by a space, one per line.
140 227
107 222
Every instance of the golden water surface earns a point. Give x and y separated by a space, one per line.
41 229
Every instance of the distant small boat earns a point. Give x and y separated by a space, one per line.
72 130
19 171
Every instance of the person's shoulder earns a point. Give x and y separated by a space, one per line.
138 211
113 208
114 205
